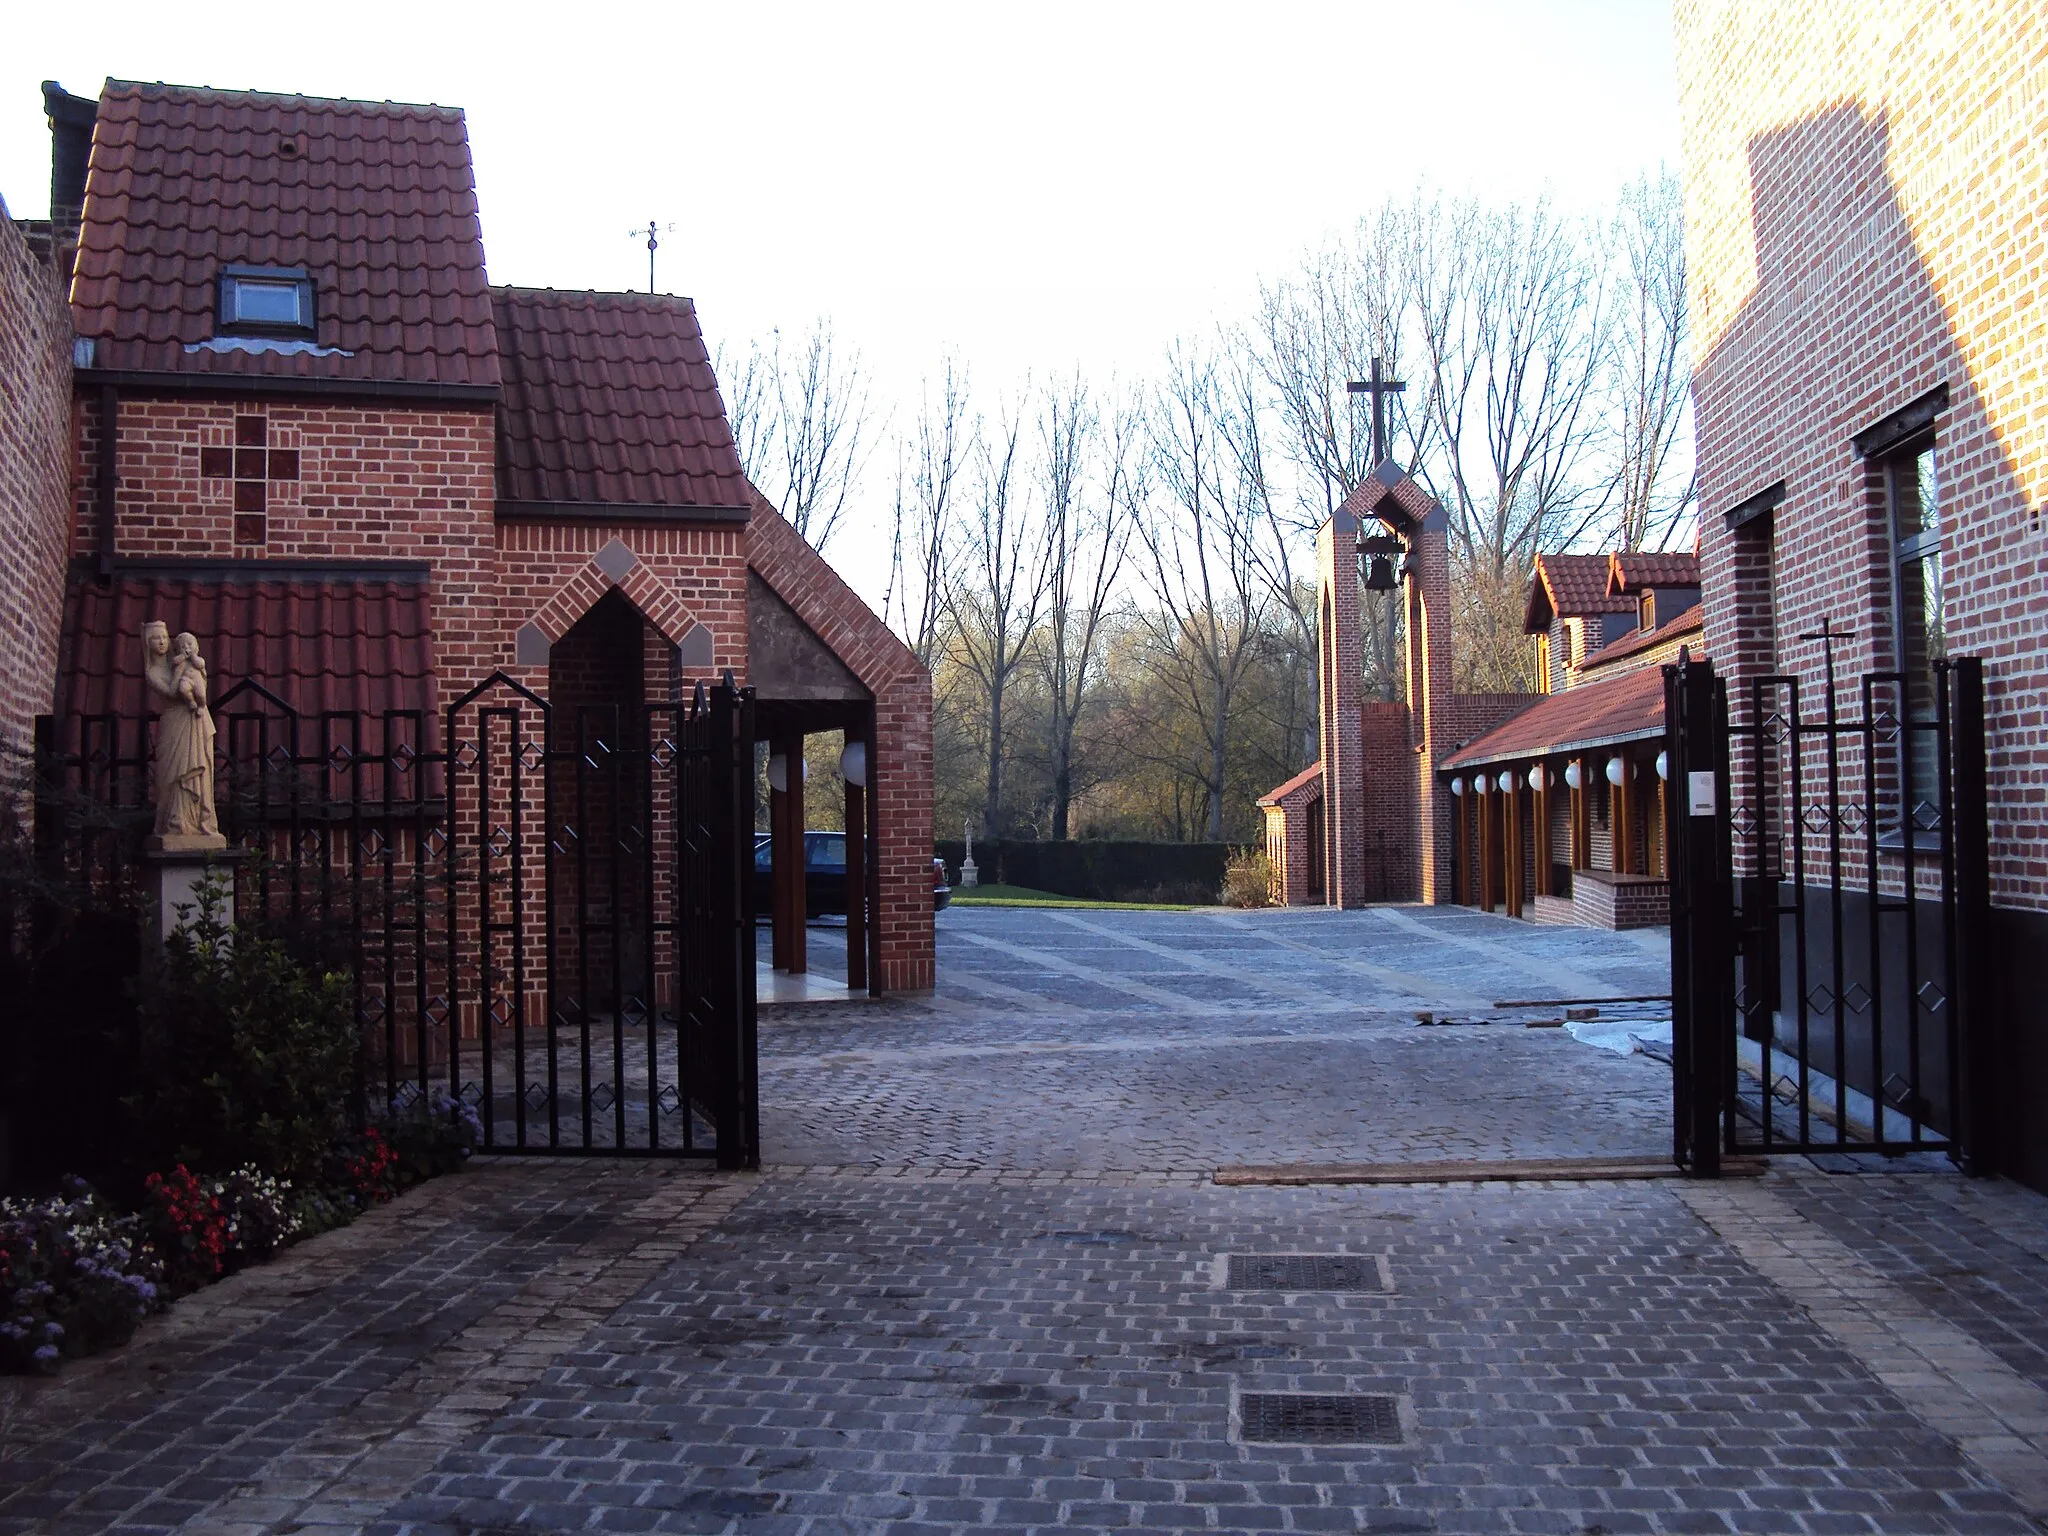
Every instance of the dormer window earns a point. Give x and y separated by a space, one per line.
1646 610
266 301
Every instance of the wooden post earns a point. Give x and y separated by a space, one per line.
1540 833
1626 821
1582 820
856 888
778 861
1486 847
1511 862
1464 847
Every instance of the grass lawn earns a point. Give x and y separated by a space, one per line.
1024 896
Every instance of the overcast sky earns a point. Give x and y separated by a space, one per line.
1035 186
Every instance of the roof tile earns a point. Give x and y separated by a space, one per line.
347 640
1569 586
380 201
1627 707
1635 569
610 400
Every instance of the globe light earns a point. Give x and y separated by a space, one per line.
853 764
1616 771
1480 783
778 773
1664 765
1537 777
1573 775
1457 788
1507 782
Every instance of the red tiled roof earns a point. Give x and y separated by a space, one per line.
1568 586
343 639
1636 569
1693 618
1624 708
1312 774
610 401
375 200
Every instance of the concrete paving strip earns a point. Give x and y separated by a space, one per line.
1000 991
1415 987
1945 1378
1581 984
1405 981
1050 960
1509 1170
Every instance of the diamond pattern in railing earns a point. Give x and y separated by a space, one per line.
437 1010
664 753
1853 819
1886 724
1821 1000
402 757
372 844
465 755
669 1099
500 841
536 1095
1774 728
472 1093
339 757
1742 821
531 756
634 1012
1926 817
436 842
1857 999
1932 998
602 1097
1816 818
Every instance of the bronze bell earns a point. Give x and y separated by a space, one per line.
1379 577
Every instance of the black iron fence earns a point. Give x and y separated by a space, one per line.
543 913
1830 885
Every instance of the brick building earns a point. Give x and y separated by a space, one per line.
309 430
1866 197
35 478
1561 808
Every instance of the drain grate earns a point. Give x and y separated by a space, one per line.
1319 1418
1304 1272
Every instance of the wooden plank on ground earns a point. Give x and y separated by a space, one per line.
1586 1168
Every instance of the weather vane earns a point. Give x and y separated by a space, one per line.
653 229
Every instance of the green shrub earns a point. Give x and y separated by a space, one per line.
247 1057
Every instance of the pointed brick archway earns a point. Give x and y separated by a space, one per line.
615 567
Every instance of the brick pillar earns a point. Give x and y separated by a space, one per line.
1340 662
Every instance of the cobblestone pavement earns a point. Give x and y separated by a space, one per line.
1013 1317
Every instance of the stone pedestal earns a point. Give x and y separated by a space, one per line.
178 865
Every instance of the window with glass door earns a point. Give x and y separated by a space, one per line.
1920 636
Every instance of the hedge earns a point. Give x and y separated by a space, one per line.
1098 871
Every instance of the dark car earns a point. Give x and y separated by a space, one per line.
824 876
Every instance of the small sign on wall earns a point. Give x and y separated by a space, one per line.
1699 793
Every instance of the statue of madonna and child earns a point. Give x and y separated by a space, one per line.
176 677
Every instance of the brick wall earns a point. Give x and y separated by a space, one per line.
1865 222
357 482
35 472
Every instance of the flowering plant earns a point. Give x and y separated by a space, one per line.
432 1136
190 1225
368 1169
74 1278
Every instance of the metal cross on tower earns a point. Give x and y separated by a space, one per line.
1378 386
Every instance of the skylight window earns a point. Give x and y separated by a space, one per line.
266 301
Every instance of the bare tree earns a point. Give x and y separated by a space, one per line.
1650 376
1091 476
1511 321
1318 331
799 422
928 463
1202 538
994 609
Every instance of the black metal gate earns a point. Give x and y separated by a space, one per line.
1829 890
548 919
